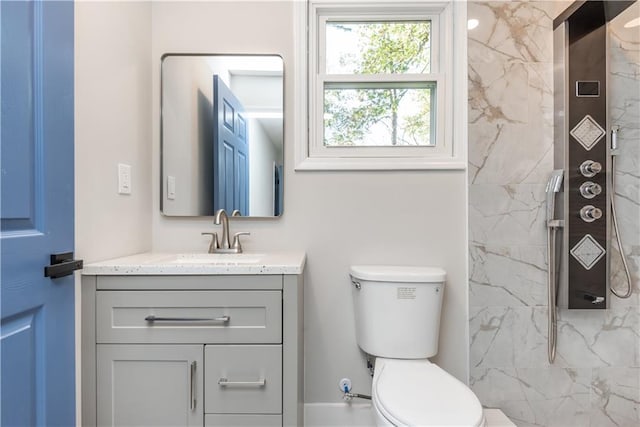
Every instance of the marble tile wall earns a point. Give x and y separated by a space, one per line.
595 380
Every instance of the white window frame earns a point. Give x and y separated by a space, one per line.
448 56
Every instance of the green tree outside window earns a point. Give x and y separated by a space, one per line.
400 112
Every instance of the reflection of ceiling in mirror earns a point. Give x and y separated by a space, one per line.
247 64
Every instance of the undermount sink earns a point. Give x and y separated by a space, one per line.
219 259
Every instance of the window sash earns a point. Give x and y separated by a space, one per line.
316 140
432 85
323 19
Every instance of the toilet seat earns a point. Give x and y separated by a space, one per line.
420 393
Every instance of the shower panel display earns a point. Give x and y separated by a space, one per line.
582 150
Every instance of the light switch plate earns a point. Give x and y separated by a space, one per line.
171 187
124 178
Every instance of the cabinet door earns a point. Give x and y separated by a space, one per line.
150 385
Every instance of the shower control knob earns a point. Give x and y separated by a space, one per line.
590 168
590 213
589 190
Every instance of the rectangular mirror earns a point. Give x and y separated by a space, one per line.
222 136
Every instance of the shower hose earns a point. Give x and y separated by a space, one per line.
552 233
614 219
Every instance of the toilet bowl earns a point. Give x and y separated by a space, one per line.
420 393
397 313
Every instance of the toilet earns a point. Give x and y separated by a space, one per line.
397 313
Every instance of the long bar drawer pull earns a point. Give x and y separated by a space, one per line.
223 382
223 319
192 386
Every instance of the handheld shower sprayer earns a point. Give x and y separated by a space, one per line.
554 186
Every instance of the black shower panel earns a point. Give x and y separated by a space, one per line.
586 163
582 148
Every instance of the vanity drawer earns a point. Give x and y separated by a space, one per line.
243 379
189 317
253 420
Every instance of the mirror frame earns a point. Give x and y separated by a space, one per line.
161 130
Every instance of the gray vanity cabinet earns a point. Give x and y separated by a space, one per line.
192 350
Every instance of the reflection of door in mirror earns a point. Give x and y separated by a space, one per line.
230 151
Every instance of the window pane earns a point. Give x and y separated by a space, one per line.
381 116
378 47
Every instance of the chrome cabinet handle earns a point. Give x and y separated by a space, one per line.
192 386
223 319
223 382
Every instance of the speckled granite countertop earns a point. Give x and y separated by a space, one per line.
199 264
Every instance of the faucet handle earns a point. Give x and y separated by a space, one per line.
214 241
236 240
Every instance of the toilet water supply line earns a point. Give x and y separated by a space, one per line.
345 387
348 396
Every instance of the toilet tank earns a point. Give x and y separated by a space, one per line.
397 309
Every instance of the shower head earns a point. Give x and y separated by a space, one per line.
554 185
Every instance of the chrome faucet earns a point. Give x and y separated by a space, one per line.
223 245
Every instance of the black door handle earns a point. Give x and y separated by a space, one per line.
62 265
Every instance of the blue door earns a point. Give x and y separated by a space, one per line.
37 348
230 150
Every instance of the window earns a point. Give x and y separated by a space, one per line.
380 85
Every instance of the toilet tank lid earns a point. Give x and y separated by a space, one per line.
397 273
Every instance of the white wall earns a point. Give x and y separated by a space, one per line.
112 125
112 121
338 218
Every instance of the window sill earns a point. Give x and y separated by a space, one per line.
379 163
